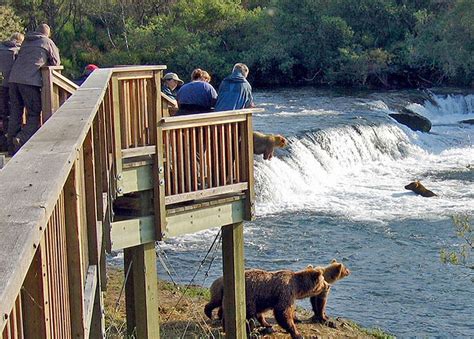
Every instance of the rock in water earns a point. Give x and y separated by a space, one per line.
468 121
413 120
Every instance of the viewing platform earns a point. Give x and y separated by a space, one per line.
111 170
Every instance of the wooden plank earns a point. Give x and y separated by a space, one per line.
202 164
90 289
234 280
180 154
193 165
187 160
174 159
141 230
229 155
74 250
206 119
235 134
167 162
130 76
137 179
222 156
247 161
209 157
204 218
132 232
138 152
215 155
128 69
206 193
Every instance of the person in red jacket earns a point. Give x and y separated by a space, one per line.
37 50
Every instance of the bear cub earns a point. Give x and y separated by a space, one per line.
332 273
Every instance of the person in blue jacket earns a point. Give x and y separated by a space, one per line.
235 91
197 96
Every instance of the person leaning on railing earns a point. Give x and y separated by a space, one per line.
197 96
8 53
235 91
37 50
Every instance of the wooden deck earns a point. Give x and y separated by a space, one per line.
108 146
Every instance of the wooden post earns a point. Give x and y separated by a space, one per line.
117 134
46 94
234 281
141 292
94 232
158 164
247 161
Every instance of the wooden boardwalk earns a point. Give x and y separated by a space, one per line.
111 144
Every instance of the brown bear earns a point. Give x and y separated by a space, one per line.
418 188
266 143
272 290
332 273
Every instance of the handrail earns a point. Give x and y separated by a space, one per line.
36 187
57 196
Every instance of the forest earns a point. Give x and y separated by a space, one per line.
361 43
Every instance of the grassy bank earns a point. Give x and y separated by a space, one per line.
182 316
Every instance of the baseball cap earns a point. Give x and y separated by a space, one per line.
173 76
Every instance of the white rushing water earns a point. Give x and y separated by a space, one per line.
359 171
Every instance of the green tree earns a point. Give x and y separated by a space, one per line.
462 255
9 22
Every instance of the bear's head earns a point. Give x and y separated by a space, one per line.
335 271
413 185
280 141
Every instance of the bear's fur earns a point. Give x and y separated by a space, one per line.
418 188
332 273
265 144
272 290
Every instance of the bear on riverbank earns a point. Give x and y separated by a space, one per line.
332 273
418 188
265 144
272 290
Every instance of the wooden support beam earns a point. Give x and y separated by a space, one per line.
234 280
141 230
141 292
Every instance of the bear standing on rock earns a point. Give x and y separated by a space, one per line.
273 290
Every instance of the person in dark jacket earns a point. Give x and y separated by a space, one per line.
8 52
235 91
197 96
37 50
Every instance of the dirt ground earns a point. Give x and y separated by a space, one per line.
182 316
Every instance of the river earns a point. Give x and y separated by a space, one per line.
337 191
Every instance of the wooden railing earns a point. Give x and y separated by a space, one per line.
56 196
110 138
55 91
203 155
